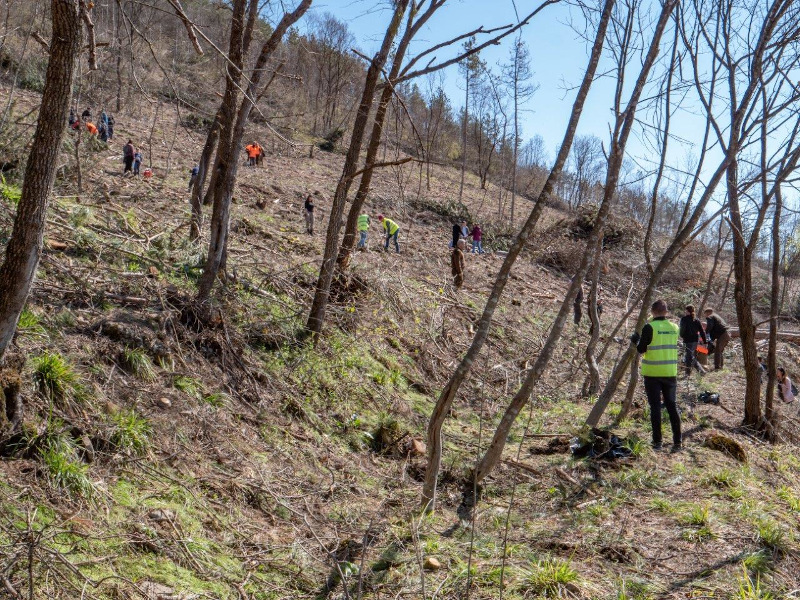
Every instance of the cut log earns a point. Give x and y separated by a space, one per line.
762 334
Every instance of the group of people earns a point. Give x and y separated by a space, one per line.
255 154
131 159
106 130
712 335
461 231
390 229
658 345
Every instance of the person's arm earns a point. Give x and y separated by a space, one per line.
646 339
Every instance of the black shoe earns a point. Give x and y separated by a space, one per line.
676 448
656 446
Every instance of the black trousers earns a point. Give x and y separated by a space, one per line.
666 387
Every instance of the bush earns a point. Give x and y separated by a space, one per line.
331 140
64 469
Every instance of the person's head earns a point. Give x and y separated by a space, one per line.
781 372
461 244
761 359
708 312
659 308
690 310
380 217
130 141
310 198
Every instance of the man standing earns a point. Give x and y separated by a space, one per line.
363 227
659 344
392 230
717 332
457 264
691 332
309 212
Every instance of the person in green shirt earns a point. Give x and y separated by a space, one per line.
363 228
659 346
392 230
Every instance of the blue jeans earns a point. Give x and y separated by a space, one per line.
477 244
362 239
393 237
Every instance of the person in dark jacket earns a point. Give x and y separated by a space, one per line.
127 157
456 235
717 332
86 115
309 214
691 333
659 345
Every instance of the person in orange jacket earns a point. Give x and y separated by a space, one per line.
252 153
91 128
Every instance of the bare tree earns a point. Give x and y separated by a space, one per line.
471 68
230 145
586 166
625 119
518 75
320 302
464 367
24 248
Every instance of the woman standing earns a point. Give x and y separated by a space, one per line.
785 390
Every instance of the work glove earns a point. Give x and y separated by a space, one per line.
635 337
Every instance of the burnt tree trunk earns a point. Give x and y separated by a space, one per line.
25 246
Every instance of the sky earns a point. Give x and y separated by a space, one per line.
558 57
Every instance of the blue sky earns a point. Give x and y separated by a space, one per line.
558 56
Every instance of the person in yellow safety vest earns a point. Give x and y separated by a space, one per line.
659 345
392 230
362 226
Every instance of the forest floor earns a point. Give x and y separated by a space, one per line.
161 458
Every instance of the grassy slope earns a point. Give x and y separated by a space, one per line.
260 471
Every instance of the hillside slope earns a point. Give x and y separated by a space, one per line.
158 457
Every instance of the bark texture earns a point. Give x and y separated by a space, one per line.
24 248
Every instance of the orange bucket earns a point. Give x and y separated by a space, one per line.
702 349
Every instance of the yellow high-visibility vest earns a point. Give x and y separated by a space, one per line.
661 357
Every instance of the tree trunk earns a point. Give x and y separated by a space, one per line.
231 147
225 156
200 178
373 147
316 317
464 140
720 245
24 248
448 394
774 304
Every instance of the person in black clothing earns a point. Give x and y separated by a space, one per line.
127 157
691 333
659 370
717 332
456 235
87 114
309 212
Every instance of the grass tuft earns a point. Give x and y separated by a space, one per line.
137 362
55 378
550 577
131 432
64 468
